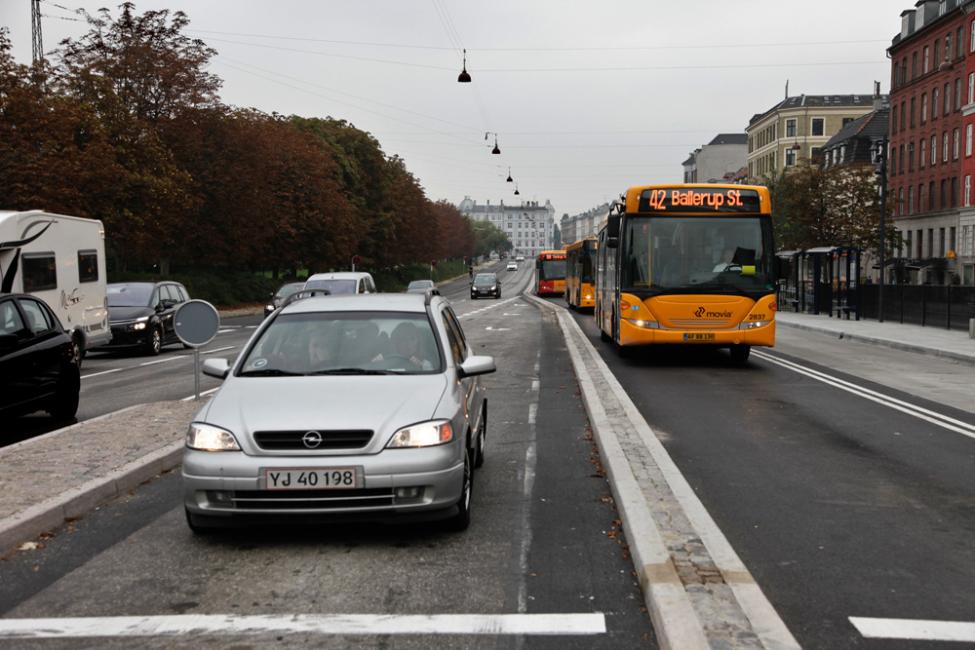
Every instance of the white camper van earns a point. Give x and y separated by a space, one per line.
61 260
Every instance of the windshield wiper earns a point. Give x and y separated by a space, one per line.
270 372
353 371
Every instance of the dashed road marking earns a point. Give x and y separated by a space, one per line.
103 372
167 359
202 393
914 629
223 349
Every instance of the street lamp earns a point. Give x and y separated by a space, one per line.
509 179
464 77
496 150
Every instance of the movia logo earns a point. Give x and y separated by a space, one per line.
701 312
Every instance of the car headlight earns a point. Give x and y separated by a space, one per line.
206 437
754 324
270 307
138 326
424 434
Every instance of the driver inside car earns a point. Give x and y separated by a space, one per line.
406 346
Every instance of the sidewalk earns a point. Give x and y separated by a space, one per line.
953 344
63 474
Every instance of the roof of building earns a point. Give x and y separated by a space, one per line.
690 160
816 101
730 138
873 125
926 20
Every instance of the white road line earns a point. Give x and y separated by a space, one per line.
919 412
202 393
914 629
528 486
103 372
322 624
229 347
167 359
224 331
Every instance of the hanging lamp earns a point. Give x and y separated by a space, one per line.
464 77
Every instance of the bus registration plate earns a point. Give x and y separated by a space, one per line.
699 337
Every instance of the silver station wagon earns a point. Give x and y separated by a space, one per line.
349 407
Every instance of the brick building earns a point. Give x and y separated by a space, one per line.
930 159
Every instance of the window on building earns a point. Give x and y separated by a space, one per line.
900 156
910 157
819 123
958 94
790 128
934 104
930 247
910 200
907 243
951 238
948 47
920 244
920 197
954 191
937 54
924 154
941 242
971 88
900 200
934 150
911 120
968 191
790 157
924 108
947 104
893 121
944 193
968 140
931 195
958 42
942 7
893 160
927 57
914 65
944 146
955 144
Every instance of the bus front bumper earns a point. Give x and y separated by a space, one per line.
631 334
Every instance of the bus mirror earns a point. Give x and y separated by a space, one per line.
613 228
612 242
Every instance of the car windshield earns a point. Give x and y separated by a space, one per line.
288 290
420 284
485 280
133 294
345 343
333 286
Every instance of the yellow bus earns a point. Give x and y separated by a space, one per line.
550 273
688 264
580 283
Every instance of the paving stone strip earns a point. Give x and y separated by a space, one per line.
85 464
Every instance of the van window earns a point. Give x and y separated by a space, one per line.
87 266
40 272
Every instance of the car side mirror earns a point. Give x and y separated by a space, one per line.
218 368
476 365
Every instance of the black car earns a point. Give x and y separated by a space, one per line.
38 364
141 314
485 284
279 296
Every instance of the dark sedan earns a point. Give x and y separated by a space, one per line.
141 314
38 364
282 294
485 284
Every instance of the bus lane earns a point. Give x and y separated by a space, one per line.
544 541
845 498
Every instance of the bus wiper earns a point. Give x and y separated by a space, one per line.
353 371
270 372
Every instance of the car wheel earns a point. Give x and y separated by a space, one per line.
481 434
77 351
201 524
154 342
739 354
64 404
462 519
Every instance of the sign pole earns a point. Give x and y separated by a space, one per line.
196 372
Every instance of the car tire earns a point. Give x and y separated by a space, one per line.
77 349
461 520
64 404
153 345
739 354
481 435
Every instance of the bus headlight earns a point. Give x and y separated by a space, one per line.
645 324
754 324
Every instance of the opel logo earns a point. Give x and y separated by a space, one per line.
699 312
312 439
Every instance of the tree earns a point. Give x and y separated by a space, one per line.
488 238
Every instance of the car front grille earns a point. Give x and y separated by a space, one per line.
284 440
312 499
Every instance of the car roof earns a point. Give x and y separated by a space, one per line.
405 302
340 275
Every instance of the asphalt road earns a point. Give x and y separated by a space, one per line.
839 503
544 537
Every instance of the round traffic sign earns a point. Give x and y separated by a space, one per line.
196 322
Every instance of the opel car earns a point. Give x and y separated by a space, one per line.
485 284
346 407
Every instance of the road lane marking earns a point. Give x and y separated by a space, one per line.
228 347
103 372
224 331
202 393
586 624
914 629
528 486
152 363
939 419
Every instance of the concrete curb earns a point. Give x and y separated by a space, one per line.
876 340
51 513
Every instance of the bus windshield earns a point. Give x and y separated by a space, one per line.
698 254
552 270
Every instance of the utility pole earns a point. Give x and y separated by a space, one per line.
35 23
882 173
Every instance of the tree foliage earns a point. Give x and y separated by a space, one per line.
127 126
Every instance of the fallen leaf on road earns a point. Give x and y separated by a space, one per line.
28 546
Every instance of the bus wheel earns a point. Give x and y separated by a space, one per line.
739 354
603 336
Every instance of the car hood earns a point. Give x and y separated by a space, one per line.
381 403
116 314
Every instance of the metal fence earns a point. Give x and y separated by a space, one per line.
948 306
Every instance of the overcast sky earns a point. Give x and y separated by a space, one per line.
587 98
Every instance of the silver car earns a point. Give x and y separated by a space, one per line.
350 407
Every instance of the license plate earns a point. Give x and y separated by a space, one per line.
698 337
334 478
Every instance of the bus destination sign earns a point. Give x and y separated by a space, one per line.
699 199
